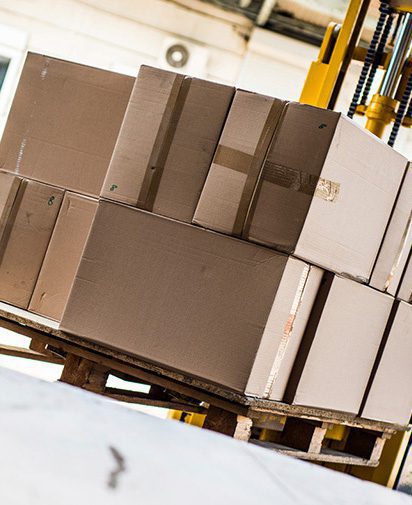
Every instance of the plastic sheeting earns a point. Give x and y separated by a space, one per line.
61 445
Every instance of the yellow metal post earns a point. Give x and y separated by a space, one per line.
187 417
390 462
323 73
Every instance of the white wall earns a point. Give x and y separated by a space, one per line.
275 65
122 34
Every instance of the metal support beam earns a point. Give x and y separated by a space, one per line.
265 12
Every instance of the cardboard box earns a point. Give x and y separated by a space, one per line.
397 242
339 347
64 123
25 239
325 192
166 143
63 256
405 289
237 163
389 396
9 186
192 300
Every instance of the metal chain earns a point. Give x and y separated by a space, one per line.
370 55
378 55
409 111
406 97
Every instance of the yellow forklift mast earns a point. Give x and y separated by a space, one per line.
389 50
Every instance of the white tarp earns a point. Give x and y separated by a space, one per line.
61 445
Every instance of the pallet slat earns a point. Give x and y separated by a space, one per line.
301 434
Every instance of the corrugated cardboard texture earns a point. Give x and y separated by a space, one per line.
322 176
144 128
397 242
405 288
284 330
344 347
343 231
64 123
63 256
9 186
390 396
25 240
174 294
166 143
229 187
290 174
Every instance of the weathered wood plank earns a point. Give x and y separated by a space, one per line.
220 420
325 456
135 397
47 331
23 352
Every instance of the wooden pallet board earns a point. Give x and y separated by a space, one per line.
325 456
304 434
47 331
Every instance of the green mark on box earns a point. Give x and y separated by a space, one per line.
113 187
50 201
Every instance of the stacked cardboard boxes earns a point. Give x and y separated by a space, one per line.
288 321
254 243
54 154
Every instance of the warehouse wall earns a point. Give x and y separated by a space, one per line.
122 34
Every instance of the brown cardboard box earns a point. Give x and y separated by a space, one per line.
325 192
397 242
339 347
25 239
9 186
232 178
203 303
166 143
64 123
63 256
405 288
389 397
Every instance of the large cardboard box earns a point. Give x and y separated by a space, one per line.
339 347
325 192
192 300
63 256
389 396
397 242
405 288
166 142
64 123
237 163
25 238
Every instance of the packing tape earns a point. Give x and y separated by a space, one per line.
398 257
255 168
163 142
233 158
15 199
297 180
249 164
287 332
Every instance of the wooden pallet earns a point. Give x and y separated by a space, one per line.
301 432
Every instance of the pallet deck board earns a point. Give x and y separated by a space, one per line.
326 455
47 330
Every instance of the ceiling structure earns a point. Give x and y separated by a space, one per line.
301 19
